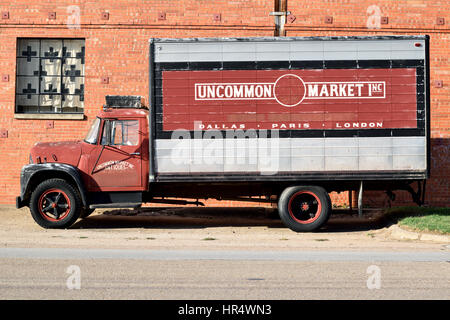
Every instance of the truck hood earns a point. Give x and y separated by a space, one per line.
68 152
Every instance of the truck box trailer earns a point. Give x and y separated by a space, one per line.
283 120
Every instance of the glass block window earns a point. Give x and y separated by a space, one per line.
50 76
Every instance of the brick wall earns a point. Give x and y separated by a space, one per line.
117 48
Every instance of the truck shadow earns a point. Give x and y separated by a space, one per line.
197 218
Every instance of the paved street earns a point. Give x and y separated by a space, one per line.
202 254
237 275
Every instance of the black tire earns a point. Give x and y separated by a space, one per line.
304 208
86 212
55 204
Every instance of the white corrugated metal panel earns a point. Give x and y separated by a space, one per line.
290 154
289 49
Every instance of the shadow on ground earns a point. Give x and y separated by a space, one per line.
200 217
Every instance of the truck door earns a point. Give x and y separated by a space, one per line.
118 165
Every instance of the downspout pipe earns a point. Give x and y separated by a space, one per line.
280 14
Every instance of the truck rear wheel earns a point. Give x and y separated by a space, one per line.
55 204
304 208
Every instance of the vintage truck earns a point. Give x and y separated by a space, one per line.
283 120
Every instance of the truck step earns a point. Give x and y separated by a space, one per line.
116 205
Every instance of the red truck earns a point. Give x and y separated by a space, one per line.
284 120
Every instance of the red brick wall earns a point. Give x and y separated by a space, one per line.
132 23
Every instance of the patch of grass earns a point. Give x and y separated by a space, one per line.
284 239
321 239
150 238
421 218
82 237
209 239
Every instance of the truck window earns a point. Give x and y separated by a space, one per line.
92 135
124 132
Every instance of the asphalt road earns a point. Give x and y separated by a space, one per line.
211 253
35 273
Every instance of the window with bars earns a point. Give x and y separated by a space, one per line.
50 76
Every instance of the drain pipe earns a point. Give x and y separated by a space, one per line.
280 15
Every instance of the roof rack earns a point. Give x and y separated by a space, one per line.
135 102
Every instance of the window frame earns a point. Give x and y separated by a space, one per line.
110 124
99 131
53 114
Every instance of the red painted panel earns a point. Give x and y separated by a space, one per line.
290 99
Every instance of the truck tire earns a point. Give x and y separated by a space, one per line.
55 204
304 208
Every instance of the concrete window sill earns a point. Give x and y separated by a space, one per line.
49 116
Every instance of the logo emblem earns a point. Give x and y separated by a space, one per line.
289 90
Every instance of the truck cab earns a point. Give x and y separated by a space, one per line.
112 156
73 176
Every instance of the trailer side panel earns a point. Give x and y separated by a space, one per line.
316 108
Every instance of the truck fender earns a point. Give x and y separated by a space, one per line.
32 174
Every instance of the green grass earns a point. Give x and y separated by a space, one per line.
422 219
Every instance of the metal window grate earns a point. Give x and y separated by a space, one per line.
50 75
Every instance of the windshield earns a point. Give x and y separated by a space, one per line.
92 135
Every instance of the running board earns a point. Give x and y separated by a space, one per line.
126 199
115 205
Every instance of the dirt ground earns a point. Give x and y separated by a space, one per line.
206 229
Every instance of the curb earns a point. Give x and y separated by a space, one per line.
398 233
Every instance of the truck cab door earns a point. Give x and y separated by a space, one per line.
118 163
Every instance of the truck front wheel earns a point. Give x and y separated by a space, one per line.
55 204
304 208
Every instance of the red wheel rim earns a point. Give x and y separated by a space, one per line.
54 205
304 207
